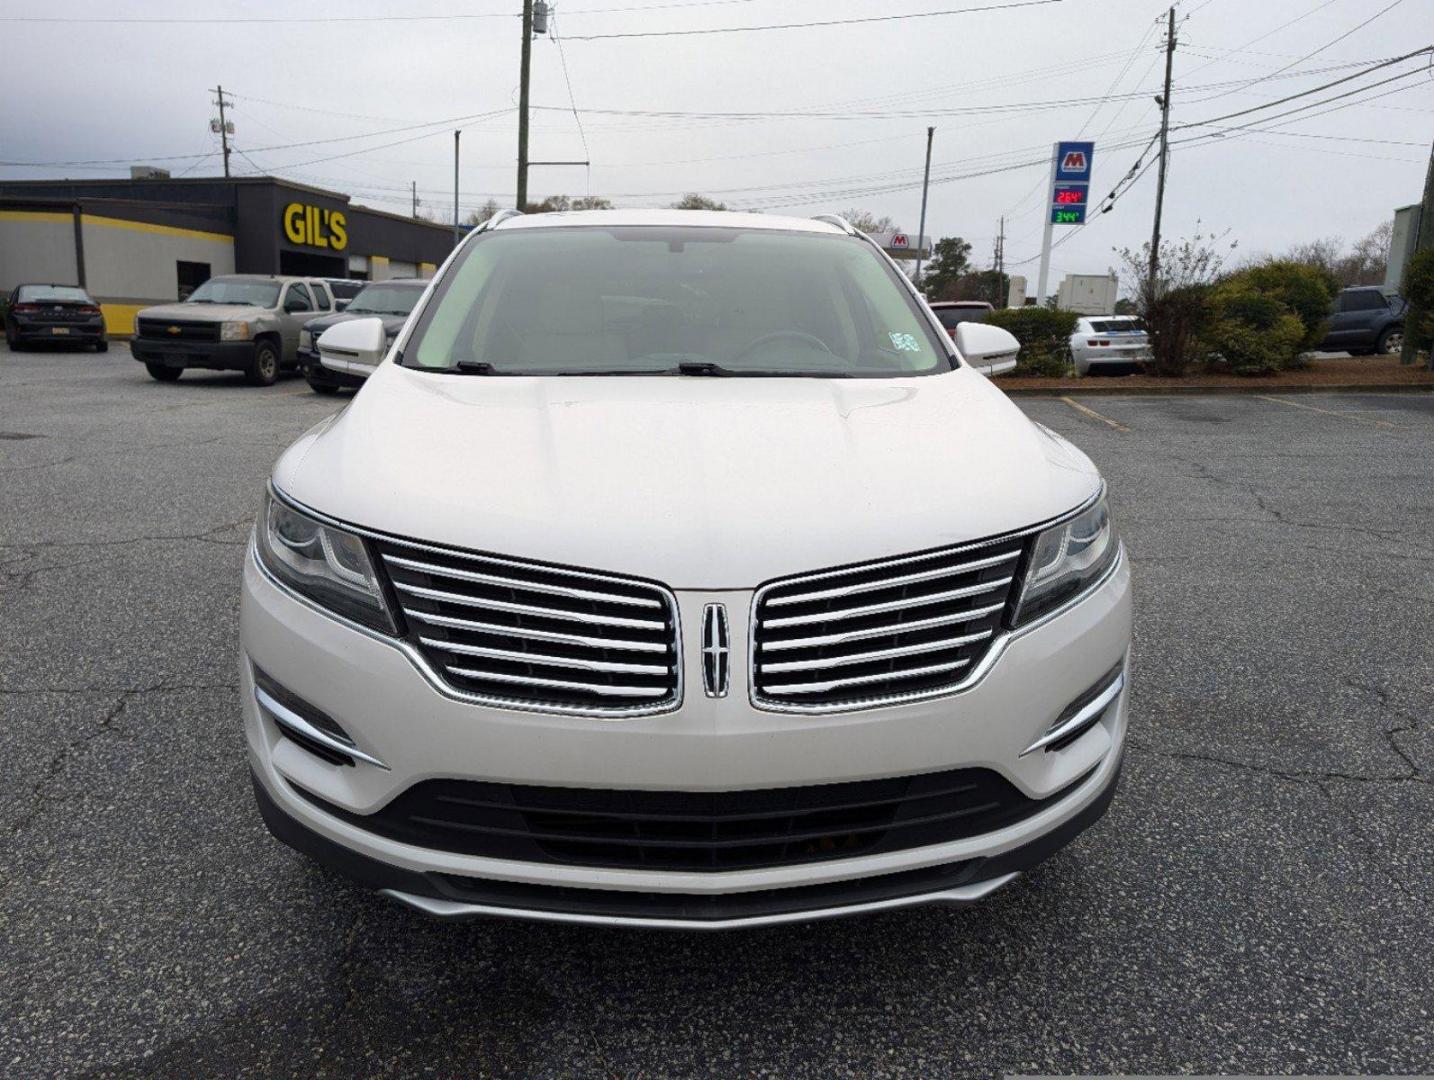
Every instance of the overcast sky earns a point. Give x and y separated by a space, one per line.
999 86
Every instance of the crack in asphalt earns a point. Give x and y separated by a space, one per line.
209 536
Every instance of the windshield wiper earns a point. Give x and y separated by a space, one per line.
702 367
474 367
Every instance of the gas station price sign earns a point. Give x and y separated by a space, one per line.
1070 182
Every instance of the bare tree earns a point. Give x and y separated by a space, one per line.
1176 305
483 213
867 222
694 201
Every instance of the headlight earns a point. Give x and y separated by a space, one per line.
306 340
1067 559
234 331
326 564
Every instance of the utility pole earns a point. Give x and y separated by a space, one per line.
223 128
523 69
1423 241
456 133
925 184
414 184
999 300
1164 100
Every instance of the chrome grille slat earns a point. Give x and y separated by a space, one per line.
544 660
879 654
536 636
560 684
862 680
525 586
880 632
884 630
528 609
887 583
894 605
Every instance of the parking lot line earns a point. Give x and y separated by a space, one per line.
1078 407
1326 412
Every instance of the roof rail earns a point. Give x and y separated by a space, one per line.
500 217
840 222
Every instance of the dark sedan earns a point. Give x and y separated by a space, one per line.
63 313
390 300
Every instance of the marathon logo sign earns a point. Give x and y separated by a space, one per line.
314 226
1070 182
1073 162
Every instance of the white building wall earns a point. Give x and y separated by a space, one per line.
38 246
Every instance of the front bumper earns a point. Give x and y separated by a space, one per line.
214 355
316 372
394 711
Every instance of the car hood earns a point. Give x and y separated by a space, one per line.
392 324
696 482
203 312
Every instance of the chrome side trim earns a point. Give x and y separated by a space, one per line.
286 717
1087 714
452 909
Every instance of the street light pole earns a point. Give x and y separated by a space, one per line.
1164 152
523 69
925 184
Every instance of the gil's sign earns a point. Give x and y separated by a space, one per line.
314 226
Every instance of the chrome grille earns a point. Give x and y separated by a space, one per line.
538 636
890 629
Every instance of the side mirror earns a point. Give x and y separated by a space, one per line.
988 349
340 303
356 345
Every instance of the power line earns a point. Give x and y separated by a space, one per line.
811 25
573 101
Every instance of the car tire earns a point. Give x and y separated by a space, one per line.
1392 340
263 369
16 345
328 389
102 345
164 373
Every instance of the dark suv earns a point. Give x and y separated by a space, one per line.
1365 320
64 313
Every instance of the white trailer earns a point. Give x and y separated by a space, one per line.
1089 294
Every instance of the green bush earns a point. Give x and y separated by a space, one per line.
1308 292
1418 291
1045 337
1247 348
1175 321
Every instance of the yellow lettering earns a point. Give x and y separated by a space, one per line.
316 234
339 230
293 223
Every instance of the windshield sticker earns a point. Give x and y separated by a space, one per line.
904 342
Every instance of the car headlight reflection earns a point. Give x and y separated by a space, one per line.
1068 559
328 565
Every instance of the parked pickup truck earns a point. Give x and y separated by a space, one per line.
1365 320
239 322
390 300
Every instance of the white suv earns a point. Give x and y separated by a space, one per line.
678 569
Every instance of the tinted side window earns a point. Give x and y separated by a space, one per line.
298 298
321 294
1363 300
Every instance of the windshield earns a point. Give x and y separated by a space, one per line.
236 291
674 300
385 300
51 294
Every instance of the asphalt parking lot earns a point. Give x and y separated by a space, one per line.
1257 900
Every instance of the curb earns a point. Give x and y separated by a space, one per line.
1256 389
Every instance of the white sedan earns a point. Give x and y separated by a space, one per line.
1108 340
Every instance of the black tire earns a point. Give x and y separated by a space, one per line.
102 345
162 373
327 389
263 370
16 345
1392 340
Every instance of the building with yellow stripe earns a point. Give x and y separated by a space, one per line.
137 242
